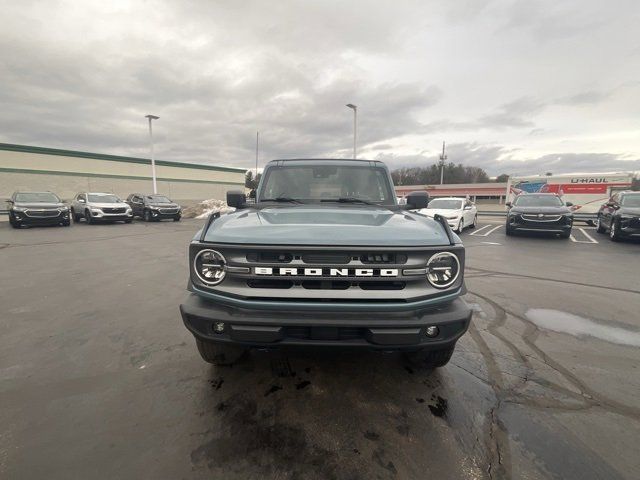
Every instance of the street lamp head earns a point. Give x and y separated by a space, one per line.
352 106
151 117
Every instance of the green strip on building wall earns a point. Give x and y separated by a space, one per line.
121 177
10 147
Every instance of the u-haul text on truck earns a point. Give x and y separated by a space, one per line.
587 191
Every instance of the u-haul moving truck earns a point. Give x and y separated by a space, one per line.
586 191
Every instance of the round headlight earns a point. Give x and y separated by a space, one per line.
443 269
210 267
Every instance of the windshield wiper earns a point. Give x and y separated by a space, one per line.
347 200
281 200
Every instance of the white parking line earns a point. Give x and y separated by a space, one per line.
591 239
488 232
475 232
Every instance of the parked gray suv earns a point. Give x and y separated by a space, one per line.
326 257
100 207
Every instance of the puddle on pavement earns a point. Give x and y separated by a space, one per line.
564 322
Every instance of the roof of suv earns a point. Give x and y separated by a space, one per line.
335 161
540 194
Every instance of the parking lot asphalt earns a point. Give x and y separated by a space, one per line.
100 379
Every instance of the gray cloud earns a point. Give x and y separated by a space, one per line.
86 74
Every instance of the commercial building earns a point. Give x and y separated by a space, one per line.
479 192
66 172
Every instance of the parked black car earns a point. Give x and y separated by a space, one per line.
539 212
620 216
37 208
154 207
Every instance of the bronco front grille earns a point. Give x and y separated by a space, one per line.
326 274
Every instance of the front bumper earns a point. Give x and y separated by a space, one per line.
111 217
24 219
629 227
520 224
374 330
157 214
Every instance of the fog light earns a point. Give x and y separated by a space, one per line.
432 331
218 327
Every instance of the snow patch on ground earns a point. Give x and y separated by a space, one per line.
206 208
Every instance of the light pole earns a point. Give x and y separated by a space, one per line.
443 157
257 145
153 161
355 126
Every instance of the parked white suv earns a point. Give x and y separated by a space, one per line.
95 207
459 212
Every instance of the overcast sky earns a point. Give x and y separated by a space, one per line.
512 86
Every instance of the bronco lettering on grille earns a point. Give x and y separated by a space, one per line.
326 272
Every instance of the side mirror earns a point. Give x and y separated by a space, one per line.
508 204
569 204
236 199
81 200
468 207
417 200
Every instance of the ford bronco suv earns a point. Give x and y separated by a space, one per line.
326 257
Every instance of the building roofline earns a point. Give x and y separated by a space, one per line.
10 147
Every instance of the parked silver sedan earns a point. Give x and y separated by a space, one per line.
100 207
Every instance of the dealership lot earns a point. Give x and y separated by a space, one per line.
99 378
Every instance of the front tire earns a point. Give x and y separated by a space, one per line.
146 216
565 234
74 216
87 217
599 227
475 222
176 219
460 226
219 353
508 231
429 359
614 231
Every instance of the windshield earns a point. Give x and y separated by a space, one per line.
315 183
538 201
631 201
106 198
37 197
442 204
158 199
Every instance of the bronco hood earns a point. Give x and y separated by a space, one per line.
327 225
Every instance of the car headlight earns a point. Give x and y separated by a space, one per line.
151 207
64 209
452 217
19 209
627 217
210 266
443 269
